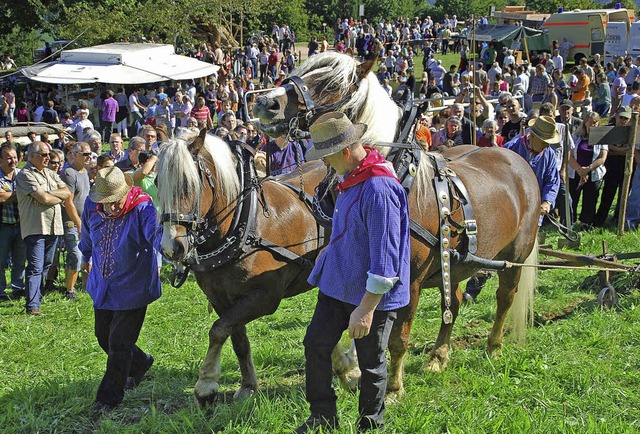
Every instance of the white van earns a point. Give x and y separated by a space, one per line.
586 29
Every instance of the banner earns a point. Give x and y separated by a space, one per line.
615 41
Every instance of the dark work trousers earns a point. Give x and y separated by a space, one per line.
117 332
330 319
612 185
589 192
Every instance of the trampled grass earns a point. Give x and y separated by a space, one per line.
578 371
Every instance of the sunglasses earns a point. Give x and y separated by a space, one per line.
44 154
54 163
84 154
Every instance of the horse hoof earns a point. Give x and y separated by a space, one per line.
206 401
494 352
393 397
243 393
350 381
436 365
206 393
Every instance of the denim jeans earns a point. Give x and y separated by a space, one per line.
71 242
12 243
330 319
40 252
633 205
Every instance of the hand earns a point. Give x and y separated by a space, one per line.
85 267
360 323
583 171
545 208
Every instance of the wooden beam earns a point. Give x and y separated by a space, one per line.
628 169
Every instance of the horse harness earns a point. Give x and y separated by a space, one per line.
405 156
241 236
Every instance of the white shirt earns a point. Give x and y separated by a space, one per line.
524 80
558 62
509 60
133 99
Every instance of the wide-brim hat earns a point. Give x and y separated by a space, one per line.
331 133
544 128
111 185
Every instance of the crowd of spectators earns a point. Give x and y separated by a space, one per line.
490 101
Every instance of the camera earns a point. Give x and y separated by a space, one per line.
144 156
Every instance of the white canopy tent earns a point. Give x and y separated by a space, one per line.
119 63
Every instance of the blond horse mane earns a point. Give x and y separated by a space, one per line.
180 176
335 73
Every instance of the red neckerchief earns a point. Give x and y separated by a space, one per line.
374 164
135 197
528 147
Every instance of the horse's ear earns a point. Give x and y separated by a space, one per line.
198 143
367 66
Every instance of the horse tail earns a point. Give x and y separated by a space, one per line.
521 312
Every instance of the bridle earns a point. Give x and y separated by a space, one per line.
299 124
195 224
202 228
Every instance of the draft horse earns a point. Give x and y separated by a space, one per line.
249 242
502 191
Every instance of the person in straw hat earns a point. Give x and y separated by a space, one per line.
119 233
534 147
363 274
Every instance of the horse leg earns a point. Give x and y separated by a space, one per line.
345 366
439 357
242 348
508 284
399 343
232 323
206 388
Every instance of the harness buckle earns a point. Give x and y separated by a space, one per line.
471 227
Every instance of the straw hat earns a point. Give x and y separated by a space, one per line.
544 128
331 133
111 185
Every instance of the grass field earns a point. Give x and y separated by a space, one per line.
578 371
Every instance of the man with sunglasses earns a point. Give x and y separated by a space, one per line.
40 193
77 179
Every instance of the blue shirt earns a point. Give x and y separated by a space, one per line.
544 165
370 244
124 274
285 160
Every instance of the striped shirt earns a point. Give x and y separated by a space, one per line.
9 213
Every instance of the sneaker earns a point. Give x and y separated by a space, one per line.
71 295
134 381
34 312
314 423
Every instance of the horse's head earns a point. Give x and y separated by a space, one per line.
194 189
329 82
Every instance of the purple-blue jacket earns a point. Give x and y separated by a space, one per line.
369 246
124 272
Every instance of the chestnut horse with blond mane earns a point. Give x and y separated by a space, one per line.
251 242
501 186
